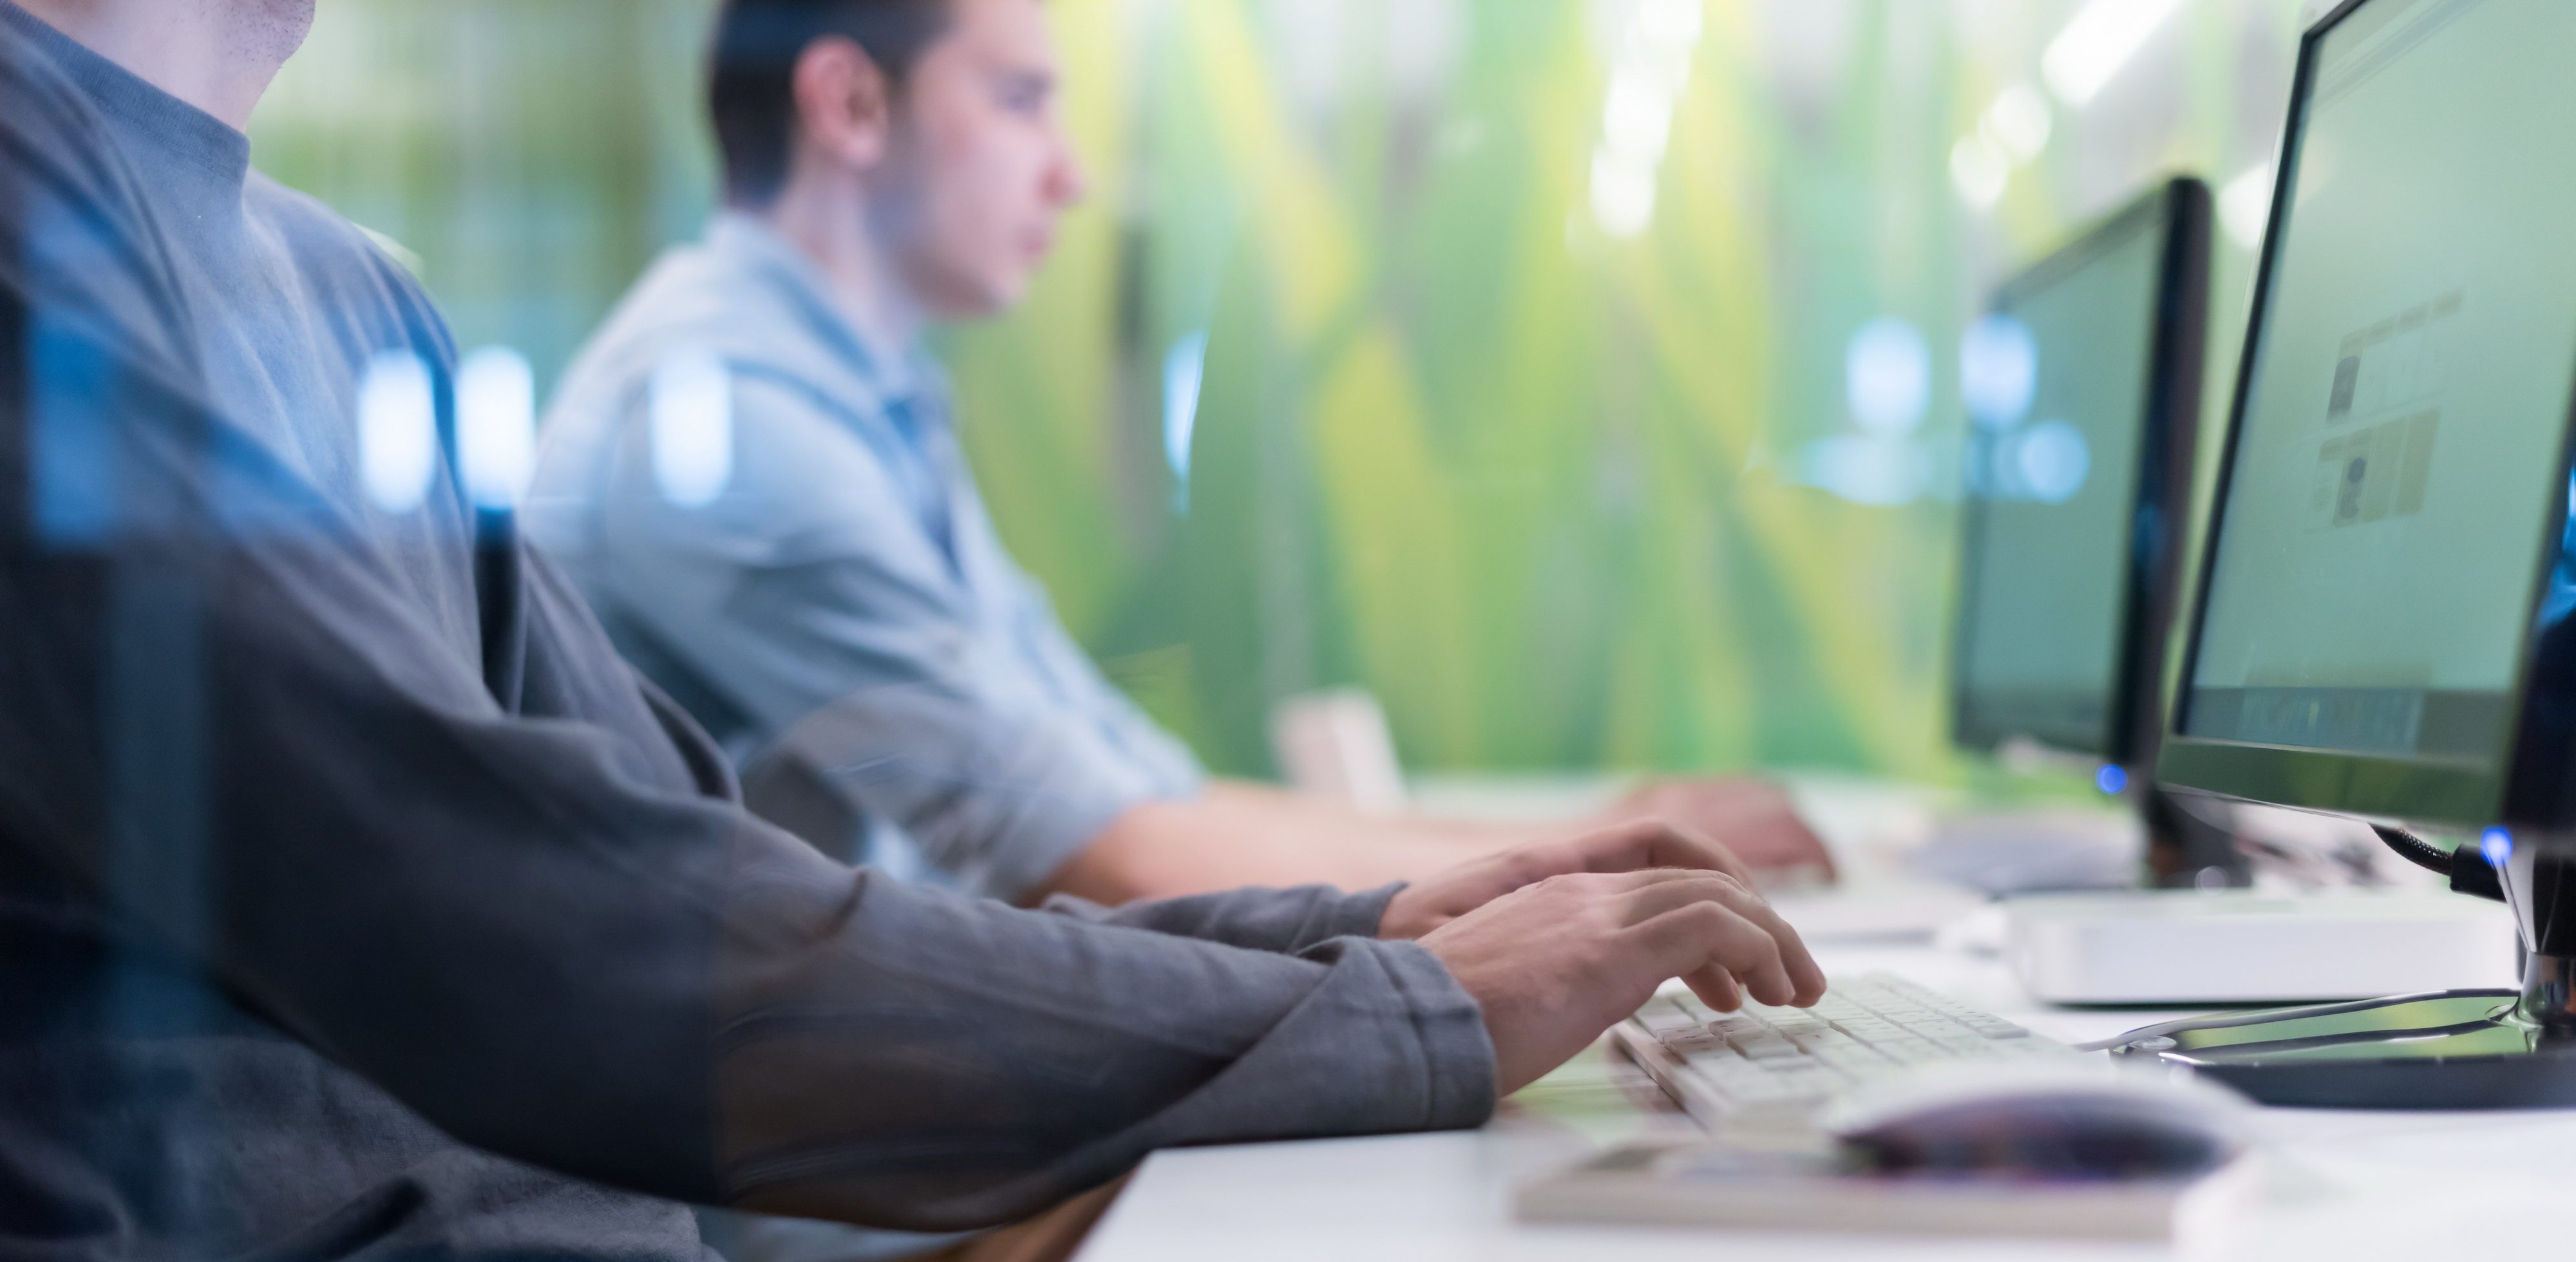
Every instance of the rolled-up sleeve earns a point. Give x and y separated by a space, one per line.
809 597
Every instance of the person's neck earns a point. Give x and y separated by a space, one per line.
217 55
829 225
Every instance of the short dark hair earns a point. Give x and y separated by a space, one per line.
751 73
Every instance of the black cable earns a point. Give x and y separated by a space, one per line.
2467 869
2414 849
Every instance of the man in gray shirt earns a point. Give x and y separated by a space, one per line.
355 900
752 475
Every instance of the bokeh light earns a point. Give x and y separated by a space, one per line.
1998 371
397 431
2052 461
496 426
1889 376
1184 373
692 428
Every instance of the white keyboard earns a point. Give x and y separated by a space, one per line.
1769 1068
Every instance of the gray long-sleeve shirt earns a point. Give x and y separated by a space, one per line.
356 900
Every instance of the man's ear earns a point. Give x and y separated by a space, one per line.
844 106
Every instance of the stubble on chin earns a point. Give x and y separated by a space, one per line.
266 30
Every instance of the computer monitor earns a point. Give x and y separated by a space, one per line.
2080 447
2382 628
2083 383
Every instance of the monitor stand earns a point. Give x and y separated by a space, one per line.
2184 850
2468 1049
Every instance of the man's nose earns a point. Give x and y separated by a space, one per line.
1067 183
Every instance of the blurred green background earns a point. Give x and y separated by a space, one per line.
1490 354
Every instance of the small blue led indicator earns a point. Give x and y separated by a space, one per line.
2111 780
2497 846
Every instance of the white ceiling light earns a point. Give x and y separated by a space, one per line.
2100 43
1637 121
1980 171
2019 120
1649 73
1623 194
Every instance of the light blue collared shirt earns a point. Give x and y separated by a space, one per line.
841 616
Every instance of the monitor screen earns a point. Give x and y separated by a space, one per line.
2402 422
2047 575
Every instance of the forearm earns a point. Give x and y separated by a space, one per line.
1236 835
1032 1056
1278 920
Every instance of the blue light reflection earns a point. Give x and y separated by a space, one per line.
1888 375
1184 375
1998 371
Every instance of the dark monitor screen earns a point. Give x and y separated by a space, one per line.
2074 412
2398 460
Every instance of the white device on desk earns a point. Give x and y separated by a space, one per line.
2177 947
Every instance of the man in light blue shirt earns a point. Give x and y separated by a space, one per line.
752 475
842 606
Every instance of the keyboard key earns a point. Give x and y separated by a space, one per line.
1660 1015
1871 1028
1691 1040
1767 1048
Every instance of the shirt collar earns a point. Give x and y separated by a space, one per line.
199 158
909 375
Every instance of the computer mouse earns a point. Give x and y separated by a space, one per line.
2082 1123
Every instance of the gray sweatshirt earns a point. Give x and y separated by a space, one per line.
356 900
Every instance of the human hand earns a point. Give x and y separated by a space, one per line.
1754 819
1627 847
1554 963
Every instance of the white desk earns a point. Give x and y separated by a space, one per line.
2346 1185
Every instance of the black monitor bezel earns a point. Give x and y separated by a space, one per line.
2522 786
2160 505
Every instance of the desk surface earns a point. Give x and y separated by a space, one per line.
2341 1185
2346 1185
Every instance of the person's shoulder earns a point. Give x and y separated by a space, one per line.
701 301
322 237
657 317
697 298
355 269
